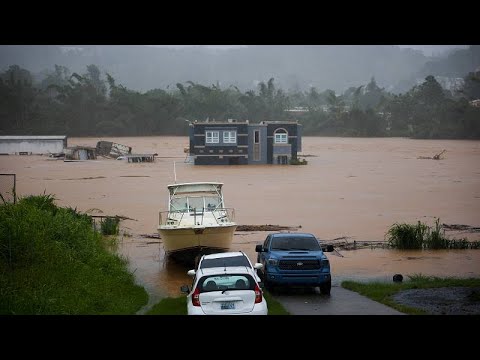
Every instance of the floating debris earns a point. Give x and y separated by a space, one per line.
138 158
112 150
266 227
151 236
435 157
459 227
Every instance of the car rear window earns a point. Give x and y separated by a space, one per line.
226 282
225 261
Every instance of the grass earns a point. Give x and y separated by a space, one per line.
422 236
274 307
383 292
52 262
170 306
178 306
110 226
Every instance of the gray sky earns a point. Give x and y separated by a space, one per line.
427 49
434 49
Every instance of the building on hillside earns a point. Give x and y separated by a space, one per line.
475 103
234 142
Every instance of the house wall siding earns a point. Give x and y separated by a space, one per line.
220 153
292 130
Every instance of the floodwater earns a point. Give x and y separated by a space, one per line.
351 187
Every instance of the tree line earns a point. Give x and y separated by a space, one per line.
94 104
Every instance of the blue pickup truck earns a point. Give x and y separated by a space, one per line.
294 259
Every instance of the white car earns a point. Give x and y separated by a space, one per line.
227 259
225 291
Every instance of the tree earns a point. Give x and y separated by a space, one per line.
17 96
471 86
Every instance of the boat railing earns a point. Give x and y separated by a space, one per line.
224 215
175 217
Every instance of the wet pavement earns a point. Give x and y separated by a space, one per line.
340 302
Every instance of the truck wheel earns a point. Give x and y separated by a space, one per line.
325 287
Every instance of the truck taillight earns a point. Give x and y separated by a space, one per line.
196 297
258 294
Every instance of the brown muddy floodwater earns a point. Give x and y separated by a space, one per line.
351 187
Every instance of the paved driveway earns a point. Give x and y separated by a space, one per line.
340 302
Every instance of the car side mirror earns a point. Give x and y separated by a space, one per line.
185 289
191 272
258 266
328 248
259 248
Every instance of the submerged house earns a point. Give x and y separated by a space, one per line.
80 153
240 143
111 149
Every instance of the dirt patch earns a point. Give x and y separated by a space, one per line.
442 301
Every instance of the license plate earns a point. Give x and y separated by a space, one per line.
227 306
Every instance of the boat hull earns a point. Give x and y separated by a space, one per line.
180 239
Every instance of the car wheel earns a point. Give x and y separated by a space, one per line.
326 287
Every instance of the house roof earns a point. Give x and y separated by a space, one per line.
33 137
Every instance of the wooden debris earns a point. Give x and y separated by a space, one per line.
435 157
342 243
459 227
266 227
151 236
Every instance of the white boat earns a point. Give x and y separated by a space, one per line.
197 219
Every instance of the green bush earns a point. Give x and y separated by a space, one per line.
294 161
435 238
406 236
110 226
422 236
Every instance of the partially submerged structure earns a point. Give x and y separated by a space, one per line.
27 145
111 149
80 153
233 142
138 158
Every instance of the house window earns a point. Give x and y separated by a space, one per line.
256 137
212 137
281 136
256 145
230 137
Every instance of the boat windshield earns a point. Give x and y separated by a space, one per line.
200 203
295 243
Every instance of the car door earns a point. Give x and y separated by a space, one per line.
261 255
